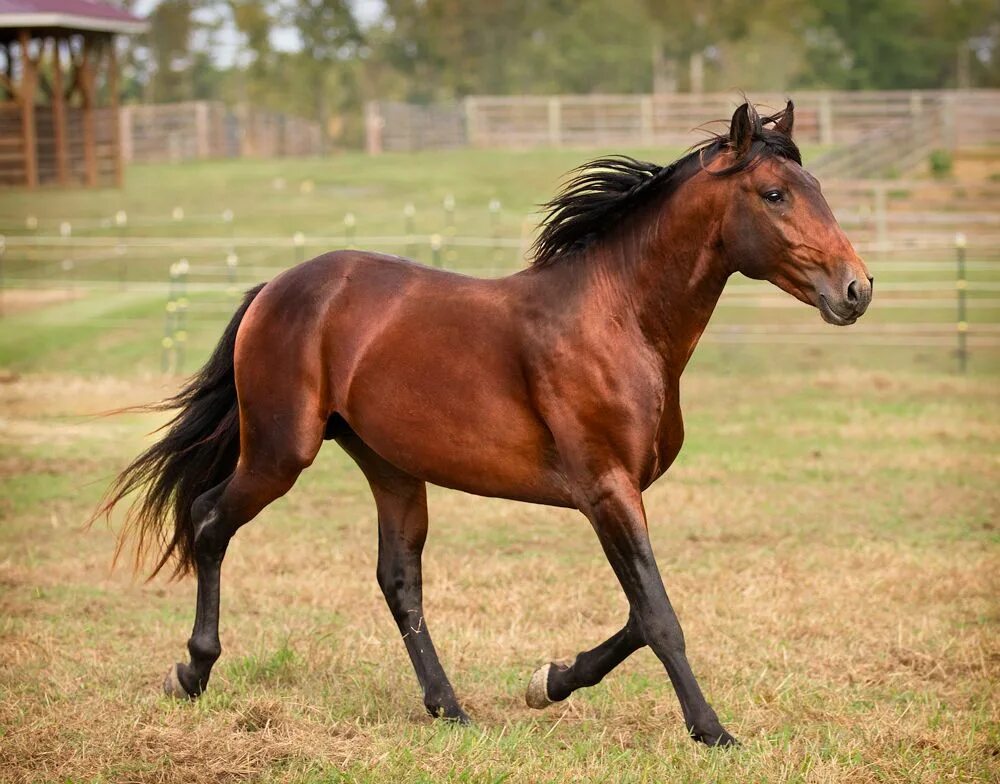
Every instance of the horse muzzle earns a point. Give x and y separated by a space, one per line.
847 306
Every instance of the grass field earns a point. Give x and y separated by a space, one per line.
828 535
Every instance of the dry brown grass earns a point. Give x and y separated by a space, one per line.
24 300
831 548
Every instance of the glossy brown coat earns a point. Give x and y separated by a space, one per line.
557 385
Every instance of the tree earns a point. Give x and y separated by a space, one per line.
330 36
893 44
253 19
170 29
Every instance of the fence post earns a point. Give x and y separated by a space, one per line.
125 133
121 221
825 119
449 228
68 264
299 241
201 130
436 250
180 332
961 287
948 131
471 122
169 322
646 120
495 229
350 222
232 262
373 128
879 191
555 121
409 211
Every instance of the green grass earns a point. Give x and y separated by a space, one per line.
829 540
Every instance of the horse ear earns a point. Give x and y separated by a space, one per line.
786 120
744 124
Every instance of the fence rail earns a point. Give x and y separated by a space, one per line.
196 130
969 118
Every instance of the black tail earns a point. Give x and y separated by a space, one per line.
199 450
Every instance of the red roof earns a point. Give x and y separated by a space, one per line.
72 14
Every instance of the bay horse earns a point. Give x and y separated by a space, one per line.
556 385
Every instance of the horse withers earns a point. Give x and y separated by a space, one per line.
568 396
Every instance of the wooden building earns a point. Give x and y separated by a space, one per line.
59 92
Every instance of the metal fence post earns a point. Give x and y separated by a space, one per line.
350 225
169 323
436 250
449 229
121 221
299 241
961 288
68 264
409 212
495 229
180 324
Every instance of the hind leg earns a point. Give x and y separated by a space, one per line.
401 501
269 464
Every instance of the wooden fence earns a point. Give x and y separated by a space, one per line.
12 156
971 117
209 129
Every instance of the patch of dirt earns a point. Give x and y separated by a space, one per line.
24 300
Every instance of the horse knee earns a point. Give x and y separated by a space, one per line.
663 634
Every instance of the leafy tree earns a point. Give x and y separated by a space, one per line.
330 37
170 31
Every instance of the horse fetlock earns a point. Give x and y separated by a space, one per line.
204 651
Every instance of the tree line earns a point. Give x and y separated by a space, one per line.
324 58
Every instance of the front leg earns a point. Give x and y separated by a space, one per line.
614 507
554 682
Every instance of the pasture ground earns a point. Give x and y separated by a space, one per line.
828 536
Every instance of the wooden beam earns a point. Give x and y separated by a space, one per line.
29 144
59 115
116 129
86 74
8 86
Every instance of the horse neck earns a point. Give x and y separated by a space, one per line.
668 270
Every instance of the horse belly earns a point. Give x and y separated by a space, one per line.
445 400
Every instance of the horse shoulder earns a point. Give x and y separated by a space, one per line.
602 396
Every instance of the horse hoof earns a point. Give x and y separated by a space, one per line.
718 737
459 717
537 695
172 685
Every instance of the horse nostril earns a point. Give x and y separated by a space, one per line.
871 280
852 292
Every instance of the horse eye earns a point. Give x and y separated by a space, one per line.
773 196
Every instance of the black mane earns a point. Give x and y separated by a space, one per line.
604 190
